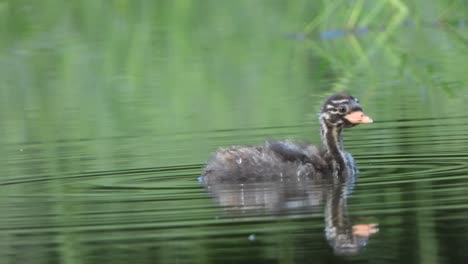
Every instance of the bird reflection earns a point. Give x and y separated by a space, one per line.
298 194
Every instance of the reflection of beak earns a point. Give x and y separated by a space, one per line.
358 117
365 230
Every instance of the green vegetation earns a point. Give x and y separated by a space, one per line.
109 108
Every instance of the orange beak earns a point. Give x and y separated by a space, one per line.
358 117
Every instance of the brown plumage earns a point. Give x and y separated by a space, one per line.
288 160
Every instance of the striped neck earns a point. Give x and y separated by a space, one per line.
332 140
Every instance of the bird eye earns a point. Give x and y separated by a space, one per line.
342 109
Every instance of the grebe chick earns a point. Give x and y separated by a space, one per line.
288 160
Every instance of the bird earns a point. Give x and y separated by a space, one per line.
288 160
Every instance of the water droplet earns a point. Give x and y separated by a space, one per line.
200 179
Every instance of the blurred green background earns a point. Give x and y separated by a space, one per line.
115 70
93 92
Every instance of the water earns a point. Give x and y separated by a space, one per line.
109 110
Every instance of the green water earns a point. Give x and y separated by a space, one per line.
109 109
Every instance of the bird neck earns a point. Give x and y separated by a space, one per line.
332 140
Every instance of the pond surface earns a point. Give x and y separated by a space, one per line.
109 111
